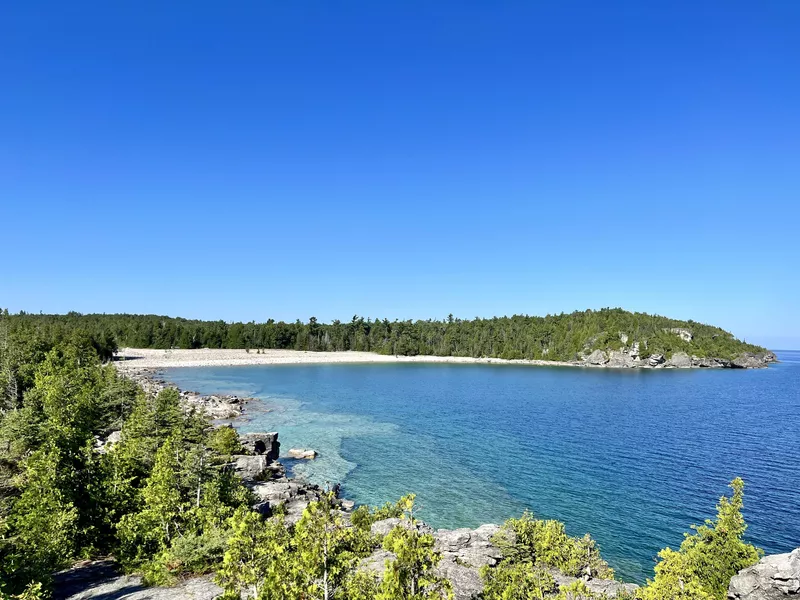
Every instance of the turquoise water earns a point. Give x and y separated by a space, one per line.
633 457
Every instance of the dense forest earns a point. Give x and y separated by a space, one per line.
163 501
554 337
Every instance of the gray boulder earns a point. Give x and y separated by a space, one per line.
680 360
466 580
620 360
774 577
656 360
598 357
252 468
266 444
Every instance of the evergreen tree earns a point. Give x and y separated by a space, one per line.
707 560
257 561
410 576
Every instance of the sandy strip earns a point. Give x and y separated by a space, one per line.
205 357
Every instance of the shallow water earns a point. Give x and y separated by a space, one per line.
633 457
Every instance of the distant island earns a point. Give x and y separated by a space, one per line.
610 337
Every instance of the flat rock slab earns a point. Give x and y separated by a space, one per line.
100 580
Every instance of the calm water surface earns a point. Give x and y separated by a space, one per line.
633 457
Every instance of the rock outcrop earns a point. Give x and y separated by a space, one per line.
775 577
656 360
465 551
682 333
266 444
101 580
253 468
621 359
302 454
680 360
598 357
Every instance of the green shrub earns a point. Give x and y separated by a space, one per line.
546 543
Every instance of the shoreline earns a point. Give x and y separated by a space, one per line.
149 358
132 359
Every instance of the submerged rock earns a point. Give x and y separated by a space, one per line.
775 577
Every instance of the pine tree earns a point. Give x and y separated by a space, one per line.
257 560
707 560
410 576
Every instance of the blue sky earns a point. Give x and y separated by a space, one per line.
403 159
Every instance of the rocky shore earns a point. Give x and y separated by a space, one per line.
133 360
463 551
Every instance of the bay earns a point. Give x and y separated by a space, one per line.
633 457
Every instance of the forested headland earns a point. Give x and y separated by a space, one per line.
562 337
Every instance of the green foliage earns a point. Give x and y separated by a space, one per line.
410 576
546 544
516 581
363 517
43 518
33 591
703 566
576 590
256 557
225 441
553 337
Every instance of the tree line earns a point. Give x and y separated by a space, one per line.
560 337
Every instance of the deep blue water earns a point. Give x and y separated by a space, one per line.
633 457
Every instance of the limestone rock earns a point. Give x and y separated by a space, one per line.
774 577
598 357
706 363
681 332
466 581
680 360
100 580
253 468
384 526
619 359
623 337
104 446
375 563
748 361
655 360
261 443
302 454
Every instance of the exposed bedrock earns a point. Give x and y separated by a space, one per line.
775 577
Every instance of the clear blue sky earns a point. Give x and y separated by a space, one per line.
403 159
